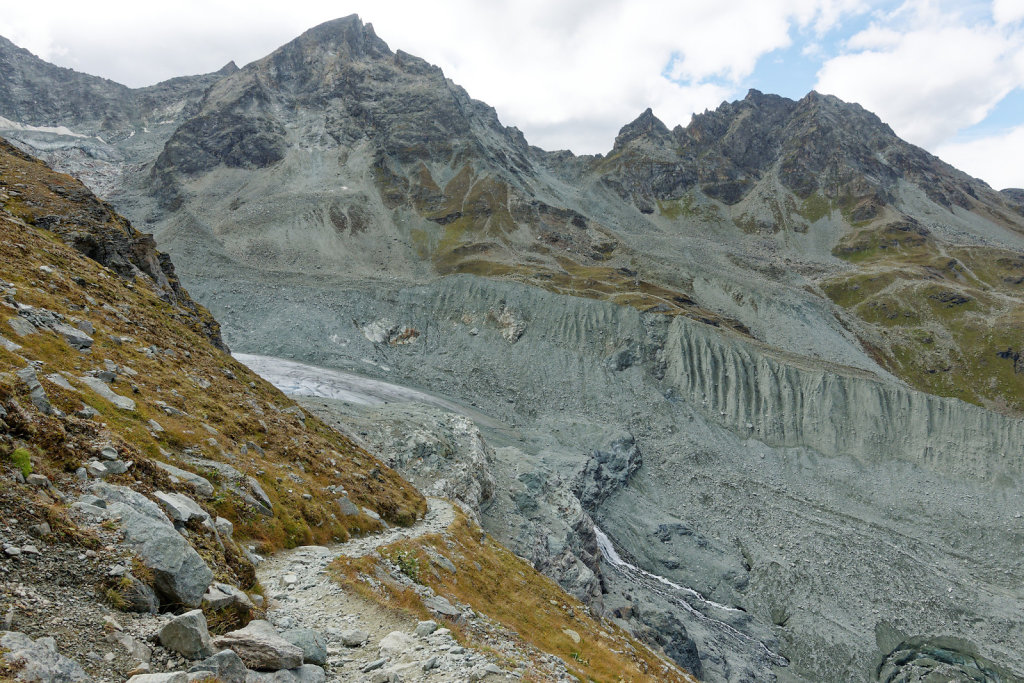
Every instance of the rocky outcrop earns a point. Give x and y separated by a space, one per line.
68 209
181 575
37 661
607 471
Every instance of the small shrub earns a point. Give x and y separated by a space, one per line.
407 563
22 459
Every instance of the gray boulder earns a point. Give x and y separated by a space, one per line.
38 661
221 595
261 648
187 635
226 665
182 576
312 643
354 638
77 338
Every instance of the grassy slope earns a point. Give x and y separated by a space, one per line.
946 319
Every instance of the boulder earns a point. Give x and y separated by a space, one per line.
226 666
181 575
261 648
396 645
221 595
440 605
224 527
75 337
354 638
38 660
312 644
425 628
201 485
137 596
187 635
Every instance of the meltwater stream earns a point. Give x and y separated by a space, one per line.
687 598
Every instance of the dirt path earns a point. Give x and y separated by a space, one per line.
301 595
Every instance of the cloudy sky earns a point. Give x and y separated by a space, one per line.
946 75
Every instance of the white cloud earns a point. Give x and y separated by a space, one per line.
930 74
1007 11
995 159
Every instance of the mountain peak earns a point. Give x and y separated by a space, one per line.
348 33
647 125
228 68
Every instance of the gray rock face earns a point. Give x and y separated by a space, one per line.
607 471
312 643
187 635
182 576
225 665
261 648
38 660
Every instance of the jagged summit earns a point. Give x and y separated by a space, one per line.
227 69
349 32
647 125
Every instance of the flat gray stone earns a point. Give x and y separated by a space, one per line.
261 648
201 485
22 327
73 336
104 391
